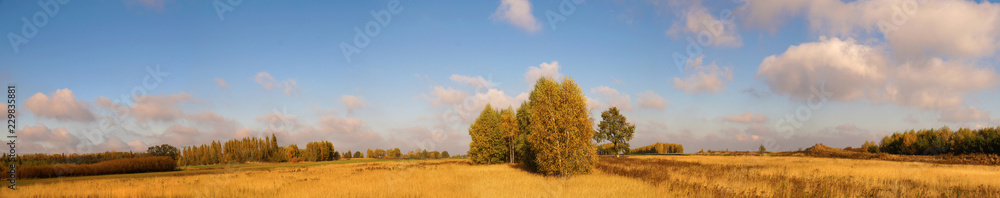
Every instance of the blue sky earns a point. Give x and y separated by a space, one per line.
433 65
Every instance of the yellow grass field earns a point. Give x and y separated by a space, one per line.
635 176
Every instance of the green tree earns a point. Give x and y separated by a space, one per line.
444 154
762 149
488 145
164 150
357 154
616 129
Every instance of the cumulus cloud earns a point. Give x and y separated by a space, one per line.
42 139
696 19
746 118
159 108
517 13
221 83
475 82
445 96
550 69
703 78
265 80
964 115
946 28
848 71
649 99
61 106
218 123
352 103
613 98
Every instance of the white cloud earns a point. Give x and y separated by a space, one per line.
704 78
696 20
946 28
846 69
445 96
266 81
57 140
550 69
62 106
964 115
850 71
159 108
352 103
517 13
221 83
475 82
746 118
650 99
613 97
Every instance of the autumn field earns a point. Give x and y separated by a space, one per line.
633 176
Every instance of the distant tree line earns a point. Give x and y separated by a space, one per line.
550 133
116 166
939 141
659 148
89 158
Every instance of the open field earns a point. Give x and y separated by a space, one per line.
635 176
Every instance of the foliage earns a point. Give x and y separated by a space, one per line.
488 145
319 151
615 128
234 151
117 166
940 141
508 126
164 150
561 128
660 148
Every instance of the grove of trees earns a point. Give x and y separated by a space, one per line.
660 148
319 151
939 141
551 133
234 151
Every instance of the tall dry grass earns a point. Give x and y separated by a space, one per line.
637 176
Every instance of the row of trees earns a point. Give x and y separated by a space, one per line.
234 151
660 148
939 141
116 166
549 134
396 153
89 158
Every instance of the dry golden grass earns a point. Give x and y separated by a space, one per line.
637 176
757 176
